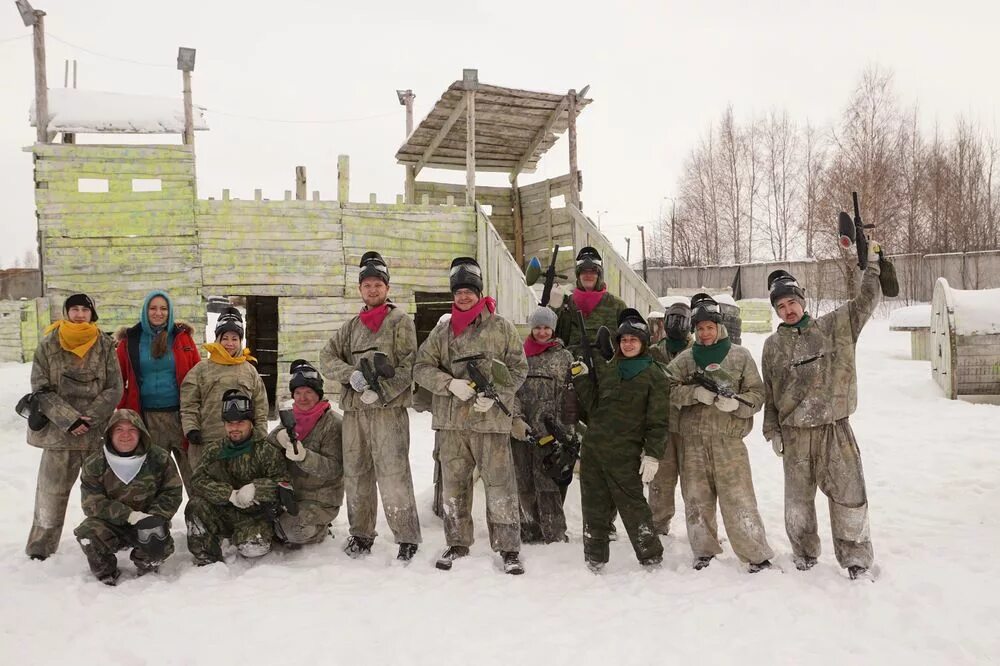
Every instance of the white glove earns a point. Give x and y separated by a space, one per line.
136 516
483 404
369 397
726 404
703 395
286 443
578 369
778 446
556 296
647 468
243 497
461 389
358 382
519 429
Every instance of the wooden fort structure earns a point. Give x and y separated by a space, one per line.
117 221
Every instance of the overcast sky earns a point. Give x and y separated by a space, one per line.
659 73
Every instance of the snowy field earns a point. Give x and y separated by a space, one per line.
933 470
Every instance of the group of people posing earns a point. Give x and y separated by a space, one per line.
142 415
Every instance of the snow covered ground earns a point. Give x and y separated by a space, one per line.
933 470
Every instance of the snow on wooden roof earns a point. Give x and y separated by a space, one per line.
514 128
92 112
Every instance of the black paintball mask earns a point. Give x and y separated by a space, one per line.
236 406
151 533
677 322
704 308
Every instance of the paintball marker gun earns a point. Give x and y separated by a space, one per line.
559 462
479 381
701 379
376 369
287 418
852 232
534 271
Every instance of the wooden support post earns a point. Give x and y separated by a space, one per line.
409 186
315 195
515 198
343 179
225 195
188 110
300 183
41 82
372 198
470 78
257 195
574 191
399 200
288 195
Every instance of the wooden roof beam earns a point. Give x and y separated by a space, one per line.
442 133
539 137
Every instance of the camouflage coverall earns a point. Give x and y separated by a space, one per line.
318 480
201 402
471 439
377 438
211 517
715 467
663 489
628 419
545 391
108 501
73 387
810 390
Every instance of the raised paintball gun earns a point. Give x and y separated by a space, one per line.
376 369
482 385
702 379
534 271
852 231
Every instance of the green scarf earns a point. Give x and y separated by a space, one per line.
800 324
630 367
231 450
675 346
705 356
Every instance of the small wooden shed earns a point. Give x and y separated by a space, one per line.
965 339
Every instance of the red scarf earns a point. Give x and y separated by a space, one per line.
373 317
586 301
305 421
533 347
460 320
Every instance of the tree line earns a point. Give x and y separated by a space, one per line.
770 188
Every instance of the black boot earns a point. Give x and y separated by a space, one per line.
805 563
406 551
511 563
111 578
702 562
449 556
760 566
856 571
358 547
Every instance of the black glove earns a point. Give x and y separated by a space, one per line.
194 437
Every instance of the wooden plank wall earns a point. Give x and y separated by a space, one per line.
544 225
503 279
11 348
500 199
120 244
271 248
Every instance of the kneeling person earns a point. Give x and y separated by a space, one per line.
130 490
235 488
314 462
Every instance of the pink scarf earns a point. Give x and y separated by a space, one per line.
586 301
533 347
305 421
461 320
373 318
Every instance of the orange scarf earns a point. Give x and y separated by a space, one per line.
218 354
75 338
